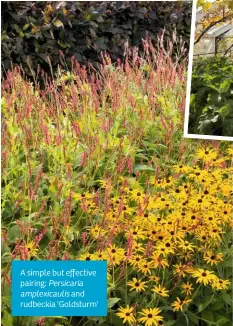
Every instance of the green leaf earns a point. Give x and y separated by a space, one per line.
99 320
13 233
192 99
6 300
207 315
170 323
99 19
6 258
58 23
7 319
16 28
25 26
218 305
214 88
221 320
226 297
193 317
112 302
203 306
225 86
139 155
143 168
224 111
113 319
100 43
228 127
227 264
166 308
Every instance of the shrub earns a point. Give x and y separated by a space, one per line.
37 33
211 107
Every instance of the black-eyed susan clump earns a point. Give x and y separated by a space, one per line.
94 167
168 246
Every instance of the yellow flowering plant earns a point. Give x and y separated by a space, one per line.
97 169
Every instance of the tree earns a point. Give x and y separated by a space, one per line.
213 13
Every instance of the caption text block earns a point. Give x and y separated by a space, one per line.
59 288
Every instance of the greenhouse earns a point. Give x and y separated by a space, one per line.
211 104
217 40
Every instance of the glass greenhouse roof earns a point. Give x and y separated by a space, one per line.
222 29
219 30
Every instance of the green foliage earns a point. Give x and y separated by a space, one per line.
78 134
35 33
72 151
211 107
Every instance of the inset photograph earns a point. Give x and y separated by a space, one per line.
211 99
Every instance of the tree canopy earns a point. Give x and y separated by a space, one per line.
213 13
